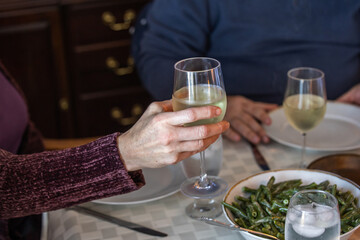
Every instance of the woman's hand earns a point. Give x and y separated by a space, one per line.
352 96
159 137
245 117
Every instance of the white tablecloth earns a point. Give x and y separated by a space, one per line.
167 214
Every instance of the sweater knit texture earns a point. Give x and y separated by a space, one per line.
35 181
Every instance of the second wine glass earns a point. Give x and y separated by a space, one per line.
305 101
198 82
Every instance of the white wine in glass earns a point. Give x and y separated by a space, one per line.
200 95
198 82
305 101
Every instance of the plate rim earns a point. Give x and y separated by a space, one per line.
178 178
298 146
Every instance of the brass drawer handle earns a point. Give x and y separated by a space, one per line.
118 115
64 104
110 20
113 65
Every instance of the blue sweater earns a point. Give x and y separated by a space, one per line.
256 41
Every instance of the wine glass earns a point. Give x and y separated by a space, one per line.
305 101
198 82
312 214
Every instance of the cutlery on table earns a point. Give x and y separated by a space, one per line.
235 227
117 221
259 158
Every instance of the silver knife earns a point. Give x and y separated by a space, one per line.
259 158
117 221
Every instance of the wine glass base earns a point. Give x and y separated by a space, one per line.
204 208
215 187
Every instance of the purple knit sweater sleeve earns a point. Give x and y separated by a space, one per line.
35 183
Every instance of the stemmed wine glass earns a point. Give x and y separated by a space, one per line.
198 82
312 214
305 101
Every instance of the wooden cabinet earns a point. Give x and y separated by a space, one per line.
72 59
100 65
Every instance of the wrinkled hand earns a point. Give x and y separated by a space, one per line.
245 117
159 138
352 96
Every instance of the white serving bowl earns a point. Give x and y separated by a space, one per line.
306 175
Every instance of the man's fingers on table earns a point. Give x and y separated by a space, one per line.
258 113
232 135
241 127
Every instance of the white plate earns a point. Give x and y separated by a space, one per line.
339 130
160 183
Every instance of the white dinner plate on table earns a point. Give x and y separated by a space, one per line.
160 183
339 130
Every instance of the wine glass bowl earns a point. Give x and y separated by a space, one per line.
305 101
199 82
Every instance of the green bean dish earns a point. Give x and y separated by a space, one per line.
265 208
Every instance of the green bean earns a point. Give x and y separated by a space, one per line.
355 222
236 204
259 192
249 190
264 203
242 199
270 219
252 213
341 201
268 231
309 186
236 211
333 190
255 227
352 216
241 222
259 209
270 183
323 185
346 228
286 202
283 210
280 225
280 236
350 198
276 204
279 188
267 192
273 228
269 212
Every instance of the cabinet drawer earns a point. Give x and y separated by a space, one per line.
98 115
104 69
98 22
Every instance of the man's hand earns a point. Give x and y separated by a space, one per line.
245 117
352 96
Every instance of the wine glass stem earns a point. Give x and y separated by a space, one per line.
204 181
302 163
